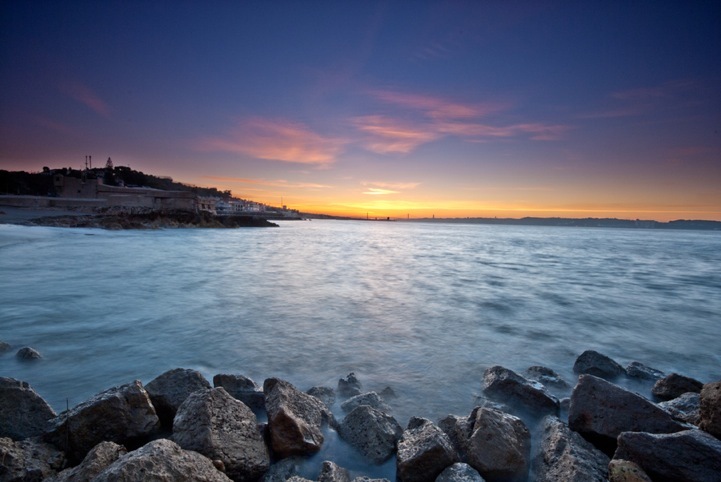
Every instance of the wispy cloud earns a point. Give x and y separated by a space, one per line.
277 140
83 94
268 182
394 185
435 107
374 191
388 135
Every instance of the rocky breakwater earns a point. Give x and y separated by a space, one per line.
533 426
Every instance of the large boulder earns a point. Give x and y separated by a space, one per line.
459 431
295 419
600 411
565 455
28 353
170 389
530 397
371 399
688 456
684 408
23 413
123 414
620 470
674 385
642 372
547 377
242 388
220 427
424 451
161 461
349 386
28 460
97 460
459 472
372 432
324 394
594 363
710 409
331 472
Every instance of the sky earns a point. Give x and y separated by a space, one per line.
379 108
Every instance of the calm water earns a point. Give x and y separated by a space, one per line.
423 308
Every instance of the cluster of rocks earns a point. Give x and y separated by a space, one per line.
179 427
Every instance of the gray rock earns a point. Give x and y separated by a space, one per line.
674 385
371 399
685 408
688 456
297 478
162 461
242 388
368 479
97 460
169 390
508 387
372 432
600 411
295 419
565 455
23 413
710 409
4 347
283 469
324 394
547 377
639 370
459 431
123 415
331 472
459 472
620 470
593 363
28 460
388 394
424 451
218 426
349 386
28 354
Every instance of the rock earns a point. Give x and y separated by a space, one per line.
506 386
565 455
459 472
169 390
639 370
710 409
295 419
684 408
620 470
674 385
372 432
424 451
459 431
691 455
4 347
324 394
242 388
349 386
161 461
123 415
371 399
23 413
28 353
547 377
218 426
28 460
600 411
368 479
593 363
331 472
97 460
297 478
388 394
283 470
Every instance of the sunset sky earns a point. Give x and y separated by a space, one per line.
458 108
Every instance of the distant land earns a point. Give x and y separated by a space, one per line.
583 222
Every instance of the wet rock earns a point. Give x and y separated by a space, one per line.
684 408
593 363
600 411
349 386
642 372
691 455
28 353
23 413
218 426
331 472
243 389
388 394
460 472
5 347
506 386
295 419
283 470
298 478
28 460
710 409
368 479
674 385
372 432
459 431
565 455
162 461
371 399
324 394
122 414
547 377
620 470
169 390
97 460
424 451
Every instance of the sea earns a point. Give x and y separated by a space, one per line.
422 308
